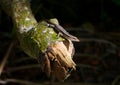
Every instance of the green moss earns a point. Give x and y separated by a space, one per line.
44 36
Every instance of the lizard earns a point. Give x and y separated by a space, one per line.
53 23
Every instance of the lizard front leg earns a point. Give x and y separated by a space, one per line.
53 26
61 31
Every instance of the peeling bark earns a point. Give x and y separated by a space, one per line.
40 41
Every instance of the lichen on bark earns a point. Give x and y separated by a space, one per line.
37 38
44 36
40 36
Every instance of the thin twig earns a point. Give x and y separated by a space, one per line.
116 80
23 67
79 55
23 59
18 81
98 40
87 66
2 65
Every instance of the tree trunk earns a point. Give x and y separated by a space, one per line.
40 41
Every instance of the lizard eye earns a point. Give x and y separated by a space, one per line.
48 25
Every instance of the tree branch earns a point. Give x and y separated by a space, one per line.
40 41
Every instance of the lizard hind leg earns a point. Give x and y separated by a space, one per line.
59 34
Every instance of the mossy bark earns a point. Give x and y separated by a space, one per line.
37 38
33 36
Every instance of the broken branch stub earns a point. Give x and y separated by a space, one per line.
41 42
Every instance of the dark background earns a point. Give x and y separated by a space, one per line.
95 22
78 12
